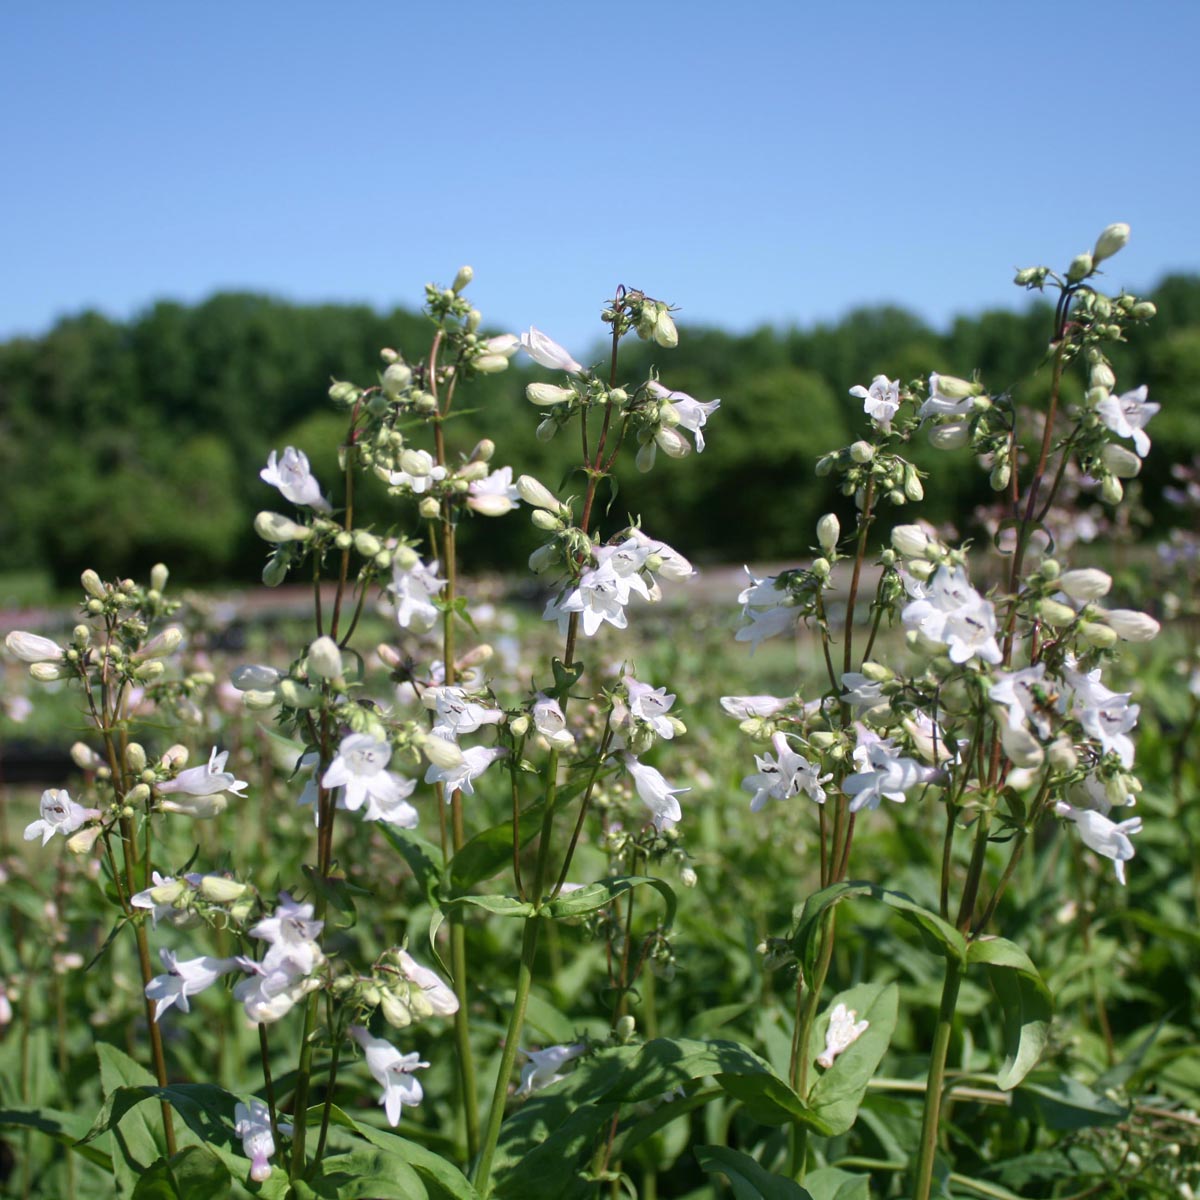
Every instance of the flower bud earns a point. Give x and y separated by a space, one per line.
1144 310
84 757
665 333
910 541
951 436
82 840
430 508
484 449
159 576
1022 748
260 701
220 890
441 751
1062 755
471 472
92 584
953 388
1111 490
174 758
1132 626
644 460
1055 613
543 559
625 1029
274 527
1100 636
464 276
876 672
821 568
1085 583
135 757
490 364
546 520
138 794
913 487
1101 376
1000 475
671 442
548 393
1110 241
862 452
519 726
537 494
921 569
395 1011
296 695
367 544
688 877
829 530
396 380
1119 461
149 671
324 659
1081 267
32 647
47 672
162 644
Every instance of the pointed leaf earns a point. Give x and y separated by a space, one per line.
501 906
1062 1103
422 858
599 895
1025 1005
65 1128
195 1173
749 1179
832 1183
837 1094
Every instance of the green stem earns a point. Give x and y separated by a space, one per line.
303 1081
937 1076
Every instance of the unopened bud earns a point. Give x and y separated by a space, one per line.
343 393
546 430
149 671
876 672
1062 755
1110 241
260 701
1081 267
519 726
1055 613
548 393
135 757
367 544
163 644
138 794
220 890
862 452
1101 376
490 364
644 459
910 541
821 568
274 527
1085 583
1144 310
1100 636
1112 491
951 436
546 520
913 487
441 751
829 530
665 333
1000 475
537 494
1132 626
159 576
324 659
625 1029
396 380
294 694
464 276
544 558
430 508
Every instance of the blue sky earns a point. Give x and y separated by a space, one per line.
756 162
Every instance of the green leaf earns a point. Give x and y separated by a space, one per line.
489 852
501 906
1025 1005
565 678
337 891
138 1142
837 1094
1062 1103
67 1128
749 1180
422 858
599 895
195 1173
364 1173
832 1183
937 933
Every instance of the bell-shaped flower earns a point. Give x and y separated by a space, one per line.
393 1072
461 776
1105 715
881 401
784 776
291 924
1127 416
294 478
252 1123
883 773
1024 696
1106 837
32 647
457 713
59 814
413 589
862 694
207 780
690 414
600 596
768 609
650 705
360 769
437 996
548 353
843 1031
655 792
550 721
494 494
542 1066
184 979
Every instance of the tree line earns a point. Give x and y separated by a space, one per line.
126 443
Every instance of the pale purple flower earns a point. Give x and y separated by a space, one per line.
692 414
1022 694
360 769
462 775
207 780
745 707
438 995
494 495
883 773
550 721
252 1123
1105 715
184 979
457 712
1127 415
655 792
413 589
650 705
294 479
393 1072
1106 837
784 776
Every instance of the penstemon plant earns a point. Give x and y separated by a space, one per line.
982 701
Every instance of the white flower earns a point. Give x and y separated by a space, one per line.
1127 416
1023 694
600 595
251 677
457 713
659 558
1085 583
1105 715
252 1123
881 400
160 899
842 1033
32 647
655 792
691 414
440 998
461 776
393 1072
494 495
1104 836
1130 625
284 976
548 353
418 471
294 479
862 694
883 774
784 776
60 814
950 611
650 704
745 707
414 589
205 781
550 721
767 607
542 1068
184 979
